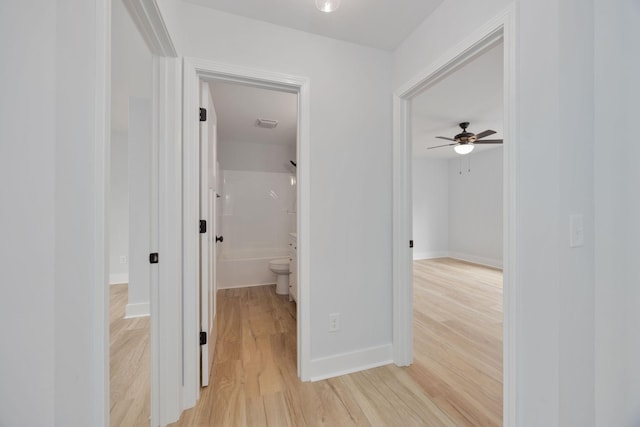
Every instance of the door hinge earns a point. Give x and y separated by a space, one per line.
203 114
153 258
203 226
410 243
203 337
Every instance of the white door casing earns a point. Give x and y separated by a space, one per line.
193 70
502 27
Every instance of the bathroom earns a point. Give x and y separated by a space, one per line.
257 203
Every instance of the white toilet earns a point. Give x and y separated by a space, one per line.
280 266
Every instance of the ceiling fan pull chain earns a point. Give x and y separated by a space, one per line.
469 165
460 166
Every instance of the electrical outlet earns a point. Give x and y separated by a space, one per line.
123 259
334 322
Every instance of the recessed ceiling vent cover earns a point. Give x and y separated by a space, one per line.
267 123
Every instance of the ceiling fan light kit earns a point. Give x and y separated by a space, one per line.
463 148
464 142
327 5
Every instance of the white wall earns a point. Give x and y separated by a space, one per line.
79 374
119 208
617 294
248 156
257 213
131 75
139 167
459 214
350 166
27 227
475 207
430 208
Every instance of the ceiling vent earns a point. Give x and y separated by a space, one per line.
267 123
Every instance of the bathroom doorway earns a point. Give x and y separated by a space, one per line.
257 210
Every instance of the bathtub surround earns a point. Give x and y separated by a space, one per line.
258 213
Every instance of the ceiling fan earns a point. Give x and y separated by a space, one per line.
464 141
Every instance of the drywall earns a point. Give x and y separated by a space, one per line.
255 156
139 168
130 65
27 226
554 179
617 294
79 215
119 209
430 208
350 155
447 26
475 207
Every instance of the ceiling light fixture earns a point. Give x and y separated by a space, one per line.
463 148
327 5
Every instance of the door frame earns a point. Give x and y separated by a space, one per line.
165 292
193 70
502 27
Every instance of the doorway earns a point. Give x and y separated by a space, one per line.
500 29
457 232
196 71
129 214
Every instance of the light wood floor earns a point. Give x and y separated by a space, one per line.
254 380
129 364
458 339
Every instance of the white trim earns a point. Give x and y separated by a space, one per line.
502 27
148 19
118 278
193 69
132 311
430 255
348 363
474 259
102 150
166 300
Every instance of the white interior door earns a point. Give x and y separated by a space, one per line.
205 308
208 207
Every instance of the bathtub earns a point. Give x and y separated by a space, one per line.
240 269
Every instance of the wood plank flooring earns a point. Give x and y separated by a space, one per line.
129 364
254 380
458 339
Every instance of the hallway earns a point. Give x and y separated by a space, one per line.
254 379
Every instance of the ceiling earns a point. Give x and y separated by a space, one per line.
473 93
382 24
238 107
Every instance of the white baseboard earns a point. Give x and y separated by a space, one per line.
118 278
243 285
489 262
430 255
348 363
137 310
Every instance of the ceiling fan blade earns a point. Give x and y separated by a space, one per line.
489 141
439 146
485 133
444 137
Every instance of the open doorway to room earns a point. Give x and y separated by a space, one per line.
253 183
458 240
129 222
255 223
